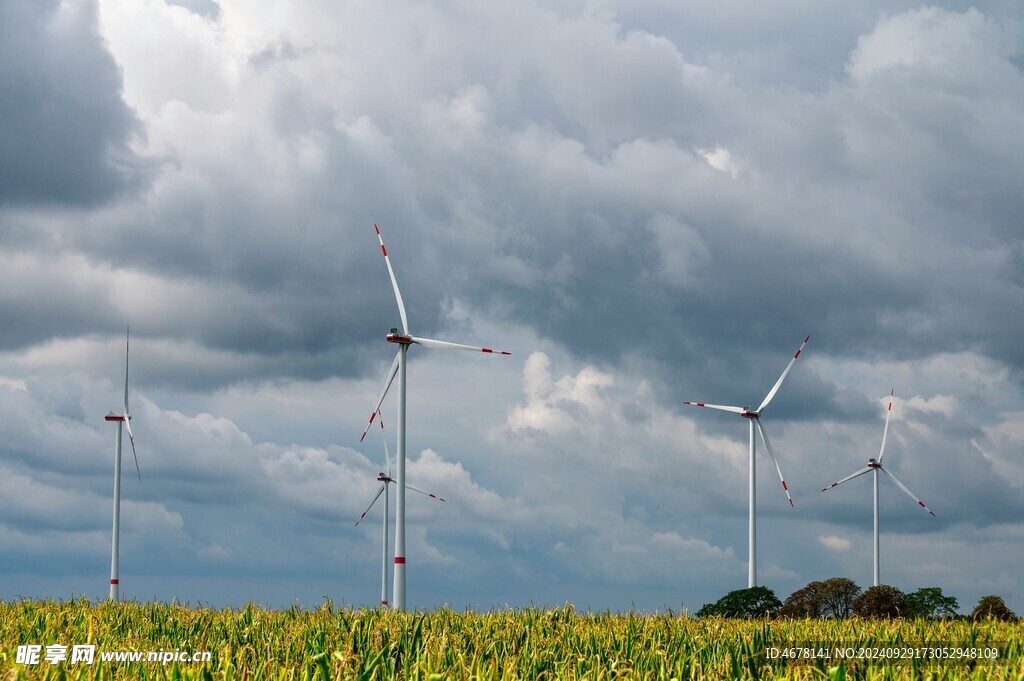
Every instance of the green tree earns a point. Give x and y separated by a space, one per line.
753 603
992 607
929 602
881 601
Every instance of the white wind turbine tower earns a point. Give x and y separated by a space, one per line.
874 466
755 419
122 419
404 340
386 480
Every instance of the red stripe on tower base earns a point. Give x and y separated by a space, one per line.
399 560
114 581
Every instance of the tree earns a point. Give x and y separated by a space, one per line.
929 602
992 607
756 602
805 602
881 601
830 598
837 597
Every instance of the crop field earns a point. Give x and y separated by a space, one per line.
329 642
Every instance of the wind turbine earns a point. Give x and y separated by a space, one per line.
875 465
404 340
755 420
122 419
386 480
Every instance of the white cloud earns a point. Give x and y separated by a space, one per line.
835 543
721 160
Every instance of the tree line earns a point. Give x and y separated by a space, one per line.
840 597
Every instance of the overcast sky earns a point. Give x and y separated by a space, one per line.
645 202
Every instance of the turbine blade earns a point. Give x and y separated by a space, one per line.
126 338
387 385
904 488
862 471
768 446
394 282
417 489
384 437
735 410
445 345
131 438
778 383
379 492
885 431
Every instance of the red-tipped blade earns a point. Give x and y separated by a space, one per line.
778 384
720 407
862 471
394 282
446 345
904 488
392 372
417 489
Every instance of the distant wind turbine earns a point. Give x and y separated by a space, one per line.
755 419
874 466
404 340
386 480
122 419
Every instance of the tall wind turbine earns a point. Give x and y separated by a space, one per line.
122 419
404 340
386 480
755 420
875 465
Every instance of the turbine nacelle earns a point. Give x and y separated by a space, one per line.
747 414
872 463
116 417
395 337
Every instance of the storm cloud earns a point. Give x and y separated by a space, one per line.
646 203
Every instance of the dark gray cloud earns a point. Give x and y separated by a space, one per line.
66 132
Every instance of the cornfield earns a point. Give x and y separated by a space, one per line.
329 642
